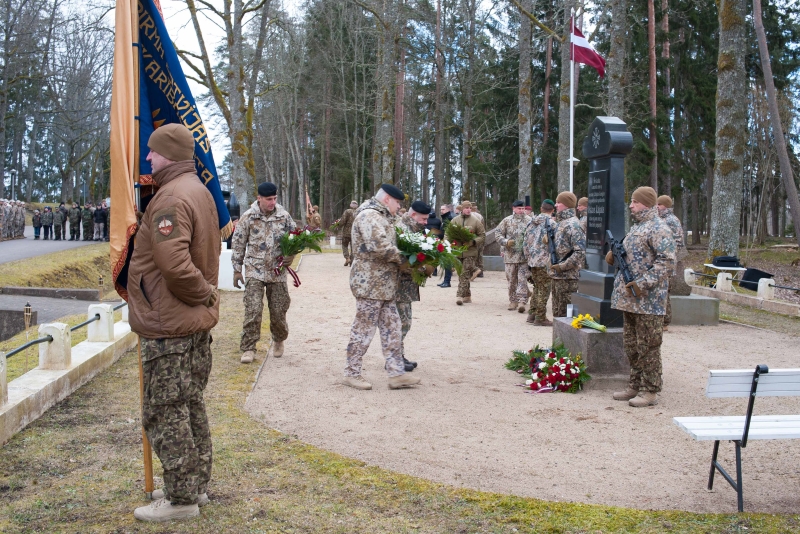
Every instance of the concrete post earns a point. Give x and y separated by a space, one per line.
724 282
102 330
766 289
124 311
689 277
57 354
3 380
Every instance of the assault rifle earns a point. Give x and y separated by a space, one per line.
619 258
551 241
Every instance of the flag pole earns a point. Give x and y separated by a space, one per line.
571 99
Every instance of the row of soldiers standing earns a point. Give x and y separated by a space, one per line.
12 219
93 219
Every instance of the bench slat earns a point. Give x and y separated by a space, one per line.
737 383
726 428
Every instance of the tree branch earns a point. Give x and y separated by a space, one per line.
535 21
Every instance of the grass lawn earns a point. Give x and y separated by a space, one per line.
74 268
79 469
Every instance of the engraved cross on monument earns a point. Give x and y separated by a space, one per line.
606 146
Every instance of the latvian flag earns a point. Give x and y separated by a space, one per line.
584 52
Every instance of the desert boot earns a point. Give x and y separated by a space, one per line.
278 349
357 382
403 381
202 499
163 510
248 356
628 394
645 398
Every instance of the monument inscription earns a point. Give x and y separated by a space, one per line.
596 222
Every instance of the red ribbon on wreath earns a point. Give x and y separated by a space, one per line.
292 272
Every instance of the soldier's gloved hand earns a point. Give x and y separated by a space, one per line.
635 287
237 279
429 270
288 260
610 258
212 298
510 243
472 243
557 267
405 267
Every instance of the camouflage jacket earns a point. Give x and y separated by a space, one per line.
584 220
376 258
475 225
535 249
87 216
512 227
650 252
346 222
74 215
59 217
407 289
257 243
677 232
569 239
47 218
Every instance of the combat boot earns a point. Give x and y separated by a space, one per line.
459 301
521 308
357 382
346 262
278 352
475 275
531 319
410 366
467 300
628 394
163 510
403 381
202 499
248 356
512 305
542 322
644 398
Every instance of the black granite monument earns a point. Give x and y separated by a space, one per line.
606 146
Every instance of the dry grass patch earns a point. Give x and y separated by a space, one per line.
79 469
77 268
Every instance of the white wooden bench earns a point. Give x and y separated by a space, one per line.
739 429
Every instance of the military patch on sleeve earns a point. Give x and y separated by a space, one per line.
165 223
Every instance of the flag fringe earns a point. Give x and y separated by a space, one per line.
120 264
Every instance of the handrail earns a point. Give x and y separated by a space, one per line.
120 305
44 339
84 323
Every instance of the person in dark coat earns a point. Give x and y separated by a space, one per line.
447 214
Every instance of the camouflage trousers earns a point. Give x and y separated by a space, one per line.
517 276
642 341
541 292
74 231
57 228
88 230
347 250
480 257
562 295
404 310
372 314
278 304
470 265
668 316
174 414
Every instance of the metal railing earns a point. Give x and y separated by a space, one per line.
48 339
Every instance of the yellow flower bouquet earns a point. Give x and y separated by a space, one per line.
586 320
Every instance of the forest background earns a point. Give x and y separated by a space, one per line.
448 99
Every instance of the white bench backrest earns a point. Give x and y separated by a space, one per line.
737 383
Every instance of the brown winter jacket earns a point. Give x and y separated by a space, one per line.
175 263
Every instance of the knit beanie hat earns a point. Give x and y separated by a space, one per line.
646 196
583 201
173 141
567 198
665 201
466 204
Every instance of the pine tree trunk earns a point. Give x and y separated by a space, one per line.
615 65
524 117
563 107
726 203
667 94
439 148
651 47
775 118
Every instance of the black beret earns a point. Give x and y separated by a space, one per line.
393 192
420 207
267 189
518 204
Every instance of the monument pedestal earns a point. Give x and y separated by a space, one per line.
602 351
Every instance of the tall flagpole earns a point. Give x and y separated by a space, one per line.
571 99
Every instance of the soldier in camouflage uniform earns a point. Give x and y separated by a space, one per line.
36 222
407 290
314 219
58 223
469 259
256 244
510 235
74 222
650 252
2 219
47 222
571 252
173 300
346 223
63 209
373 281
582 212
538 258
665 212
87 218
21 220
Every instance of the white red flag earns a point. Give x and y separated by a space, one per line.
584 52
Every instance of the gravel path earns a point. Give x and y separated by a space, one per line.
469 424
